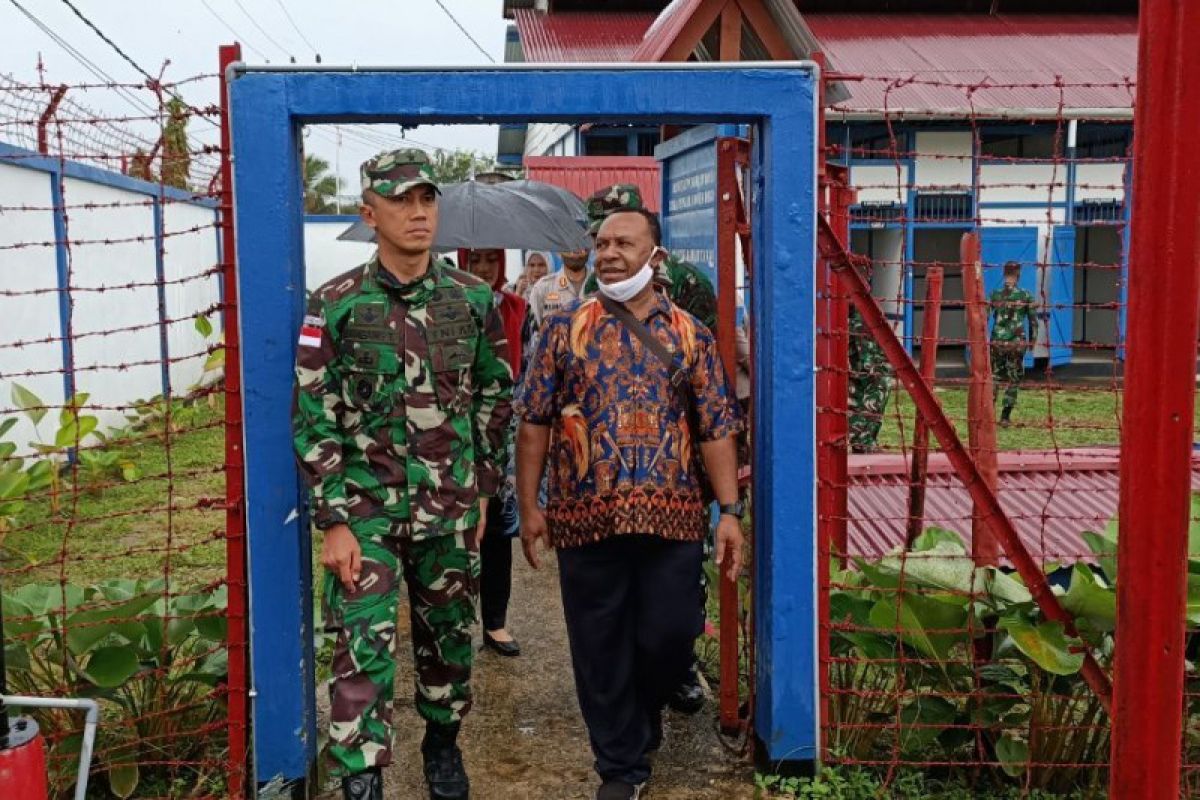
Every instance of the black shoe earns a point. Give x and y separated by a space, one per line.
688 697
444 770
363 785
613 789
508 649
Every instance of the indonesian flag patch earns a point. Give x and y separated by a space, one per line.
310 333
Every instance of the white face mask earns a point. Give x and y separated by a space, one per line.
626 290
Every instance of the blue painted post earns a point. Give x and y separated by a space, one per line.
160 276
786 716
270 249
62 261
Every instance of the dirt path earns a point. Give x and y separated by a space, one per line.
525 740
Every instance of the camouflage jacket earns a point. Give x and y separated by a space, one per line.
1010 308
403 399
866 354
686 285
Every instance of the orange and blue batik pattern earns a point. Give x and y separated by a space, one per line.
622 458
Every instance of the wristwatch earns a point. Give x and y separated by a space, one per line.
737 509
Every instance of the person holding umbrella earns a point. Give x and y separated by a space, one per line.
502 525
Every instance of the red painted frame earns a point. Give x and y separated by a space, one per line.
235 476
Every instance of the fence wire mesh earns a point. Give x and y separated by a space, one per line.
113 563
994 243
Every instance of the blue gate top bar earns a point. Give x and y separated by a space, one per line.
268 107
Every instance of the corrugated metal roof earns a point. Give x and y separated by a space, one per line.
665 30
579 37
583 175
1051 497
1021 56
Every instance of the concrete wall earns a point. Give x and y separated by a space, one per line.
90 274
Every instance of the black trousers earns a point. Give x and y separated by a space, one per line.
495 572
632 615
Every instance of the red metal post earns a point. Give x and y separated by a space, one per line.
235 481
930 330
44 119
727 232
829 247
841 197
1157 429
981 413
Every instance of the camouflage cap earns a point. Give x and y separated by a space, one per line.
610 199
394 172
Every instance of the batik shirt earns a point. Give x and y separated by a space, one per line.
403 399
623 458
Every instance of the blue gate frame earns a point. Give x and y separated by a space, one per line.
269 106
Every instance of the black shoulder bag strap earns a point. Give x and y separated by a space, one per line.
676 371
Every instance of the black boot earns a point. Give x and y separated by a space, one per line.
1005 413
688 697
443 763
363 785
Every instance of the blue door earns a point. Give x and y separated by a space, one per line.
1059 316
1001 245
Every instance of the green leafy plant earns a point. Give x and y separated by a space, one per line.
152 660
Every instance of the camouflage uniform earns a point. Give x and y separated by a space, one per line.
1010 308
686 285
870 384
400 421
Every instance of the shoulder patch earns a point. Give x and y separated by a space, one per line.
336 288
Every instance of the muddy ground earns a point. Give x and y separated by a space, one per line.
525 739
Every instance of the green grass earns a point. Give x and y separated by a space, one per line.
106 528
1045 418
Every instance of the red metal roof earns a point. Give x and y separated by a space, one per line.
1021 56
665 30
1051 497
570 38
583 175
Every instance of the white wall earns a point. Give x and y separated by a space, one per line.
944 160
325 257
883 183
1022 183
27 318
549 139
1100 182
114 298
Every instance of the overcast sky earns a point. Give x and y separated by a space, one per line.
188 33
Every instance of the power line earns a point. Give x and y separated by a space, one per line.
465 32
296 28
261 30
236 35
85 62
108 41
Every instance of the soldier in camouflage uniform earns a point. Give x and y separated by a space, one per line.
686 285
870 385
1010 307
401 416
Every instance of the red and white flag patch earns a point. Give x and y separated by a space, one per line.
310 332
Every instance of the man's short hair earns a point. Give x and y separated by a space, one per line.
1012 267
650 217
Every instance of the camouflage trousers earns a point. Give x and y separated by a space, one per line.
1008 368
868 399
443 579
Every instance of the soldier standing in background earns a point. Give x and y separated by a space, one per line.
403 391
685 284
870 385
1010 307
